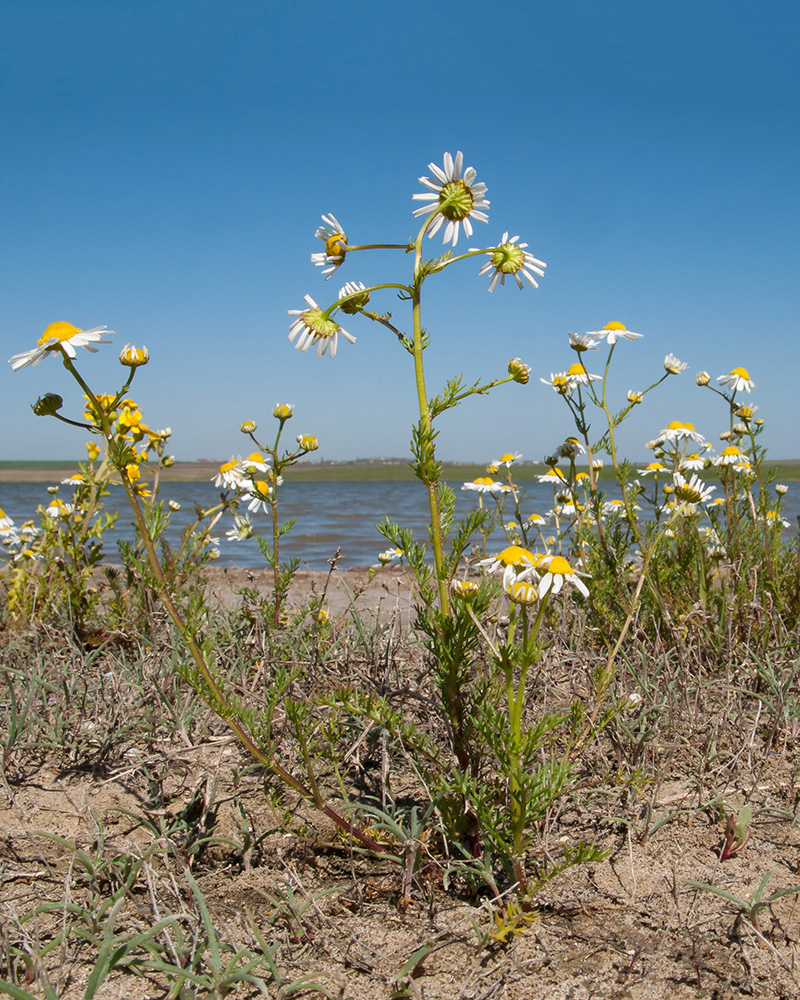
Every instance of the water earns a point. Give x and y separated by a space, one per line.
329 516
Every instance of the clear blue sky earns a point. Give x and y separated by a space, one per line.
165 166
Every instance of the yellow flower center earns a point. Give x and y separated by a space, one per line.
482 481
58 331
576 369
557 473
508 457
731 450
229 466
255 456
515 555
741 372
559 566
614 326
261 487
336 245
676 425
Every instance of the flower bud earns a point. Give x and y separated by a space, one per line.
781 489
740 428
47 405
168 461
52 490
283 411
634 397
133 357
702 378
307 442
725 436
249 427
465 589
93 450
173 505
357 297
519 371
759 422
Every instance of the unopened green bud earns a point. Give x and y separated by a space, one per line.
357 297
519 371
167 461
47 405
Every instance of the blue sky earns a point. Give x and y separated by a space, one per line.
165 166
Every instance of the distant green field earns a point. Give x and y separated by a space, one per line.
336 471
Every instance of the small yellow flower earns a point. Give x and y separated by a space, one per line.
283 411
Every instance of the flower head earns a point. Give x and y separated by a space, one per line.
283 411
560 383
464 589
48 405
692 491
511 257
260 493
612 332
313 326
508 459
678 431
515 562
558 573
133 357
242 530
521 592
307 442
577 375
519 371
738 379
389 555
484 484
673 365
702 378
583 342
452 199
357 296
333 236
61 337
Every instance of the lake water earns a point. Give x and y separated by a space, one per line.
328 515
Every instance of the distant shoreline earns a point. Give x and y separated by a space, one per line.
357 471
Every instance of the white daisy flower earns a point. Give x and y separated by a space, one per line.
577 375
676 431
5 521
232 476
567 509
535 520
484 484
57 508
76 480
389 555
313 326
774 520
634 397
255 462
692 491
571 448
583 342
612 332
260 492
508 459
452 199
738 379
560 383
731 456
612 507
693 462
515 562
554 477
335 240
60 337
511 257
673 365
558 573
242 530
